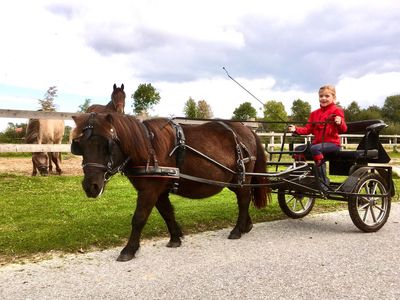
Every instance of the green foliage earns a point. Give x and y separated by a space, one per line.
13 134
201 110
274 111
190 109
47 103
83 107
391 109
245 111
300 111
144 98
204 110
352 112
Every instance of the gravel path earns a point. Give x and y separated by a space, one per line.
318 257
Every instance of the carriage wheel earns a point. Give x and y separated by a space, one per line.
369 213
295 206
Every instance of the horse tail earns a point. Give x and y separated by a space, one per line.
261 195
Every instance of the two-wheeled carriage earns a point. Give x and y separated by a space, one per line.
367 188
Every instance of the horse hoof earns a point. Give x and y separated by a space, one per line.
174 244
125 257
248 228
234 236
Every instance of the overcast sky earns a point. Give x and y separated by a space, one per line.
279 50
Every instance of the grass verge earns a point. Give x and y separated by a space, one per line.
43 214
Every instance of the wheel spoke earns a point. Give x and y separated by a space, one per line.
365 214
301 203
373 213
379 208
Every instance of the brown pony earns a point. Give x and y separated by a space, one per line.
45 131
117 103
145 152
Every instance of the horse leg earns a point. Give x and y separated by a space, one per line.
244 223
57 161
145 203
166 210
50 154
34 169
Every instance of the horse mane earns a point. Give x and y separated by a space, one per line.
32 131
163 132
131 135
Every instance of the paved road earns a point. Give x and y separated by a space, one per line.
318 257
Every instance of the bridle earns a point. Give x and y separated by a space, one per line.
87 132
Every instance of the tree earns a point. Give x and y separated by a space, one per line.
190 109
83 107
391 109
372 112
245 111
144 98
352 112
274 111
47 103
204 110
300 110
14 133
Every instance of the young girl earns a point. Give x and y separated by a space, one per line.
328 140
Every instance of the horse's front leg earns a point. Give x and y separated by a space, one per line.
166 210
34 168
243 223
145 203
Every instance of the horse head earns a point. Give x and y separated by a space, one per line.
118 98
98 144
40 161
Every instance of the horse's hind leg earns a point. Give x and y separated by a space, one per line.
166 210
244 223
56 158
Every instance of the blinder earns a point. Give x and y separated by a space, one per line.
76 148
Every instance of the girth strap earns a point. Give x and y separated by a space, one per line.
240 162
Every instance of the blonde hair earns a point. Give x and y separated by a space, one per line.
330 88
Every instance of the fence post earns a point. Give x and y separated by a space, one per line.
395 144
272 141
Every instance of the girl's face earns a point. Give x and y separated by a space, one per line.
325 98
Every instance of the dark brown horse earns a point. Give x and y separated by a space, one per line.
145 152
117 103
45 131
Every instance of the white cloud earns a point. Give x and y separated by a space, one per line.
281 50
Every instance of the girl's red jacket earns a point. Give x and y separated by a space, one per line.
332 130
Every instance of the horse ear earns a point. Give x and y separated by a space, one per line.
122 86
114 86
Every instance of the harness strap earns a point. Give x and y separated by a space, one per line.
150 171
240 160
180 149
152 152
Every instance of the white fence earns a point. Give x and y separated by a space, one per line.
274 139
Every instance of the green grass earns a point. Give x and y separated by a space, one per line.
43 214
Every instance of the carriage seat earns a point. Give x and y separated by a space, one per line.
369 150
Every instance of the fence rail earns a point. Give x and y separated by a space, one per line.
274 138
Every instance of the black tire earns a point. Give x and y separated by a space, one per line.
295 206
369 213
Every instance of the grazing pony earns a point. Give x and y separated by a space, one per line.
45 131
117 103
158 156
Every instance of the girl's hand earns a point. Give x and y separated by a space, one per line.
338 120
292 128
